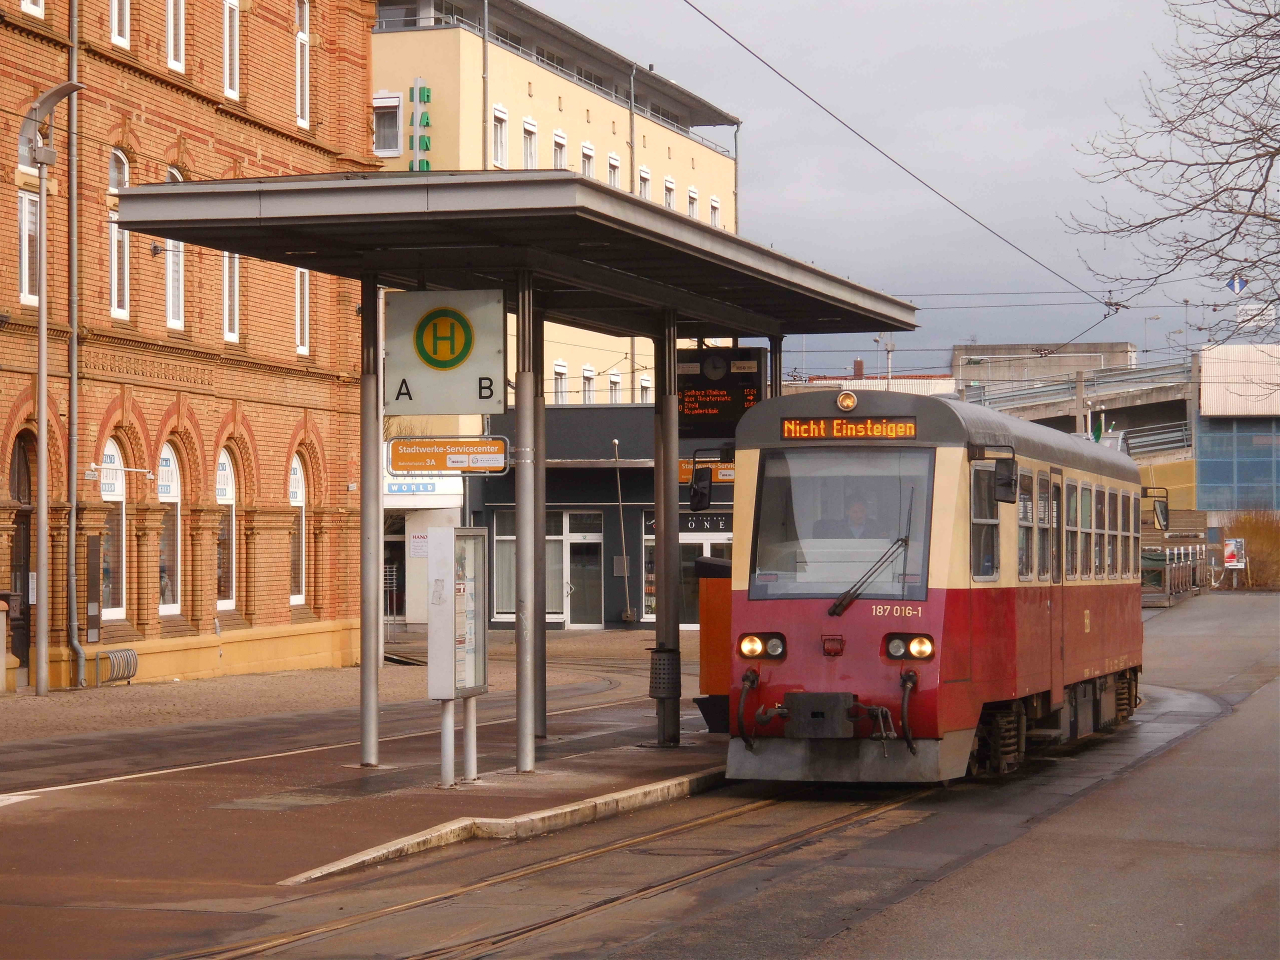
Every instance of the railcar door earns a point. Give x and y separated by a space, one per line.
1057 604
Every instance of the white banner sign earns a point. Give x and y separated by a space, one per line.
446 352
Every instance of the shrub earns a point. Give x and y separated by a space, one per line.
1260 530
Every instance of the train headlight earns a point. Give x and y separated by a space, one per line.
846 401
908 646
921 647
762 646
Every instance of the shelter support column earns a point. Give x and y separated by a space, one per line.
526 527
775 366
664 675
540 530
370 516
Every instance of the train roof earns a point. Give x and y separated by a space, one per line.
939 421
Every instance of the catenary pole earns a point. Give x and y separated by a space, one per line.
525 527
540 531
370 516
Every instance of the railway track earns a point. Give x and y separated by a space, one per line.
480 946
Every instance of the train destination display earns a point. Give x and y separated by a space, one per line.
848 428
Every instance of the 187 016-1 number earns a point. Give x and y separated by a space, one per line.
895 610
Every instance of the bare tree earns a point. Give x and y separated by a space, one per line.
1203 164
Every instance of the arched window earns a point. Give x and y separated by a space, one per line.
298 533
111 489
225 495
173 283
169 493
117 178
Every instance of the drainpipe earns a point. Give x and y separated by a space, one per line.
737 128
484 88
73 343
631 110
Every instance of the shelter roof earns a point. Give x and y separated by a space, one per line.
602 258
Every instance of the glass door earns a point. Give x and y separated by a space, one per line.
584 547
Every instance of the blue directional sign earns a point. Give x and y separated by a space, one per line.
1237 284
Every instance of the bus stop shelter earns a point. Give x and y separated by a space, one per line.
564 248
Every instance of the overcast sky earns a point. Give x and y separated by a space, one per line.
985 100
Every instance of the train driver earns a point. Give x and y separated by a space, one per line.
860 520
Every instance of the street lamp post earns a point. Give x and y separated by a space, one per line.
45 156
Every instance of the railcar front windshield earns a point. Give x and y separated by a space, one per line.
827 514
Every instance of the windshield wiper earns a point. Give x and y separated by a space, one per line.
845 600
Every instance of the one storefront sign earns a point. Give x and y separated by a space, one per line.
446 352
432 456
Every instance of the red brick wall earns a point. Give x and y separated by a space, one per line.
146 384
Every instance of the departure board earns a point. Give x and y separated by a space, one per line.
716 386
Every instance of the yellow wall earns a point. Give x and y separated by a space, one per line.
449 61
1180 479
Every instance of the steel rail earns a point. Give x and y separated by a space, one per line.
483 946
263 944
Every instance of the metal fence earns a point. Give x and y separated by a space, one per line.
1107 381
1172 571
1161 436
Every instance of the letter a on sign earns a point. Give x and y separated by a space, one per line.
445 352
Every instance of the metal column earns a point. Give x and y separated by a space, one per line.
664 676
526 527
370 516
775 366
42 440
540 532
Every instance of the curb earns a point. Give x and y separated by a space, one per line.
524 826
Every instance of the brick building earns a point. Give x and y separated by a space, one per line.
218 398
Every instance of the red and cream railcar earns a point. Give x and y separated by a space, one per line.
921 586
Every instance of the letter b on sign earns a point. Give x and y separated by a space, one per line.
485 388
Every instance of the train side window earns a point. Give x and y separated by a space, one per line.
1113 534
984 519
1086 538
1099 533
1137 527
1125 552
1026 530
1042 526
1073 523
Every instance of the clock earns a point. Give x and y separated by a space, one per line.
715 367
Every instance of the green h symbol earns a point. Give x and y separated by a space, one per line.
437 339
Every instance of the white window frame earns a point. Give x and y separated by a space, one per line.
385 104
529 144
230 48
615 386
302 311
646 389
559 151
588 160
120 16
643 189
231 297
169 491
28 247
298 501
588 383
225 495
176 34
669 193
615 171
174 280
33 7
715 211
111 488
974 520
302 65
499 157
118 239
559 382
693 202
